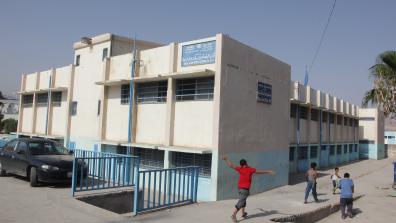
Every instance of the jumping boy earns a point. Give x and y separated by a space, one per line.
244 182
346 196
311 176
335 179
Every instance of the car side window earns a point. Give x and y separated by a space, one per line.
22 146
10 146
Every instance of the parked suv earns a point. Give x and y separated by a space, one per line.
40 160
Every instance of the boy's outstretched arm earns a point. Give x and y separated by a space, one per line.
228 162
265 172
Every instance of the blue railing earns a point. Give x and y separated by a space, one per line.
162 188
98 170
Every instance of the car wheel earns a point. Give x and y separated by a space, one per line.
33 177
2 171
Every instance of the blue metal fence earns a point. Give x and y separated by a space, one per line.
98 170
161 188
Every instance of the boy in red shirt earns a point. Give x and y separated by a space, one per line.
244 182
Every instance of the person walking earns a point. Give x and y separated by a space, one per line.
335 178
346 196
245 180
311 176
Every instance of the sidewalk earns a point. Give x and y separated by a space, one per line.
279 202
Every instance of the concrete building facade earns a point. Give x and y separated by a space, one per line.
191 103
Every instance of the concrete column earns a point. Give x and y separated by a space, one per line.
20 114
170 112
68 105
50 108
167 159
173 55
103 104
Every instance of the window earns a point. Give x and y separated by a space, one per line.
346 121
56 99
74 108
313 152
204 161
195 89
314 114
264 92
351 122
324 116
125 94
77 60
149 158
303 153
10 146
27 100
42 99
293 110
332 150
339 149
291 154
366 141
323 147
345 148
99 102
391 137
154 92
331 117
339 120
350 148
22 146
104 53
356 147
303 112
356 122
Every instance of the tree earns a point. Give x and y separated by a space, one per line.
384 92
9 125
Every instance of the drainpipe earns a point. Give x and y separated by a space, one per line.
131 96
320 132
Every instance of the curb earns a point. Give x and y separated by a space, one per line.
315 215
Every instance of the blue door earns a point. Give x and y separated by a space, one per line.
324 156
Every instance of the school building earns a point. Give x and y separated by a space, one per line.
189 103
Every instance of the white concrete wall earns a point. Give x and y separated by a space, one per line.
116 124
59 115
62 77
150 125
41 115
120 67
193 124
30 82
27 120
44 81
155 61
314 132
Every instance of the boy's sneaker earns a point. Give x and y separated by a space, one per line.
245 215
343 216
350 215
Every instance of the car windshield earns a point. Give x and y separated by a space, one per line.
47 148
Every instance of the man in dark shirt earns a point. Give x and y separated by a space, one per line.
244 182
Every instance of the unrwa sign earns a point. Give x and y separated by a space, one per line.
198 53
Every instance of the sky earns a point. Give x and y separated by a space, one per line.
38 35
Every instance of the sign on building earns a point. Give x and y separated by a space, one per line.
198 53
264 92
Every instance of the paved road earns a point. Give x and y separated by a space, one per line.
20 203
376 205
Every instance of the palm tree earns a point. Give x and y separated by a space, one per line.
384 92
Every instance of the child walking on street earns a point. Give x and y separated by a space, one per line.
335 179
311 176
244 182
346 196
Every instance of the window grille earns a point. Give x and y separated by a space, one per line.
125 94
345 148
291 153
204 161
293 110
314 114
149 158
356 148
302 152
339 119
153 92
339 149
195 89
56 98
346 121
331 117
27 100
313 152
324 116
350 148
332 150
303 112
42 99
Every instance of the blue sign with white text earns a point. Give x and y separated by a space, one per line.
264 92
198 53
